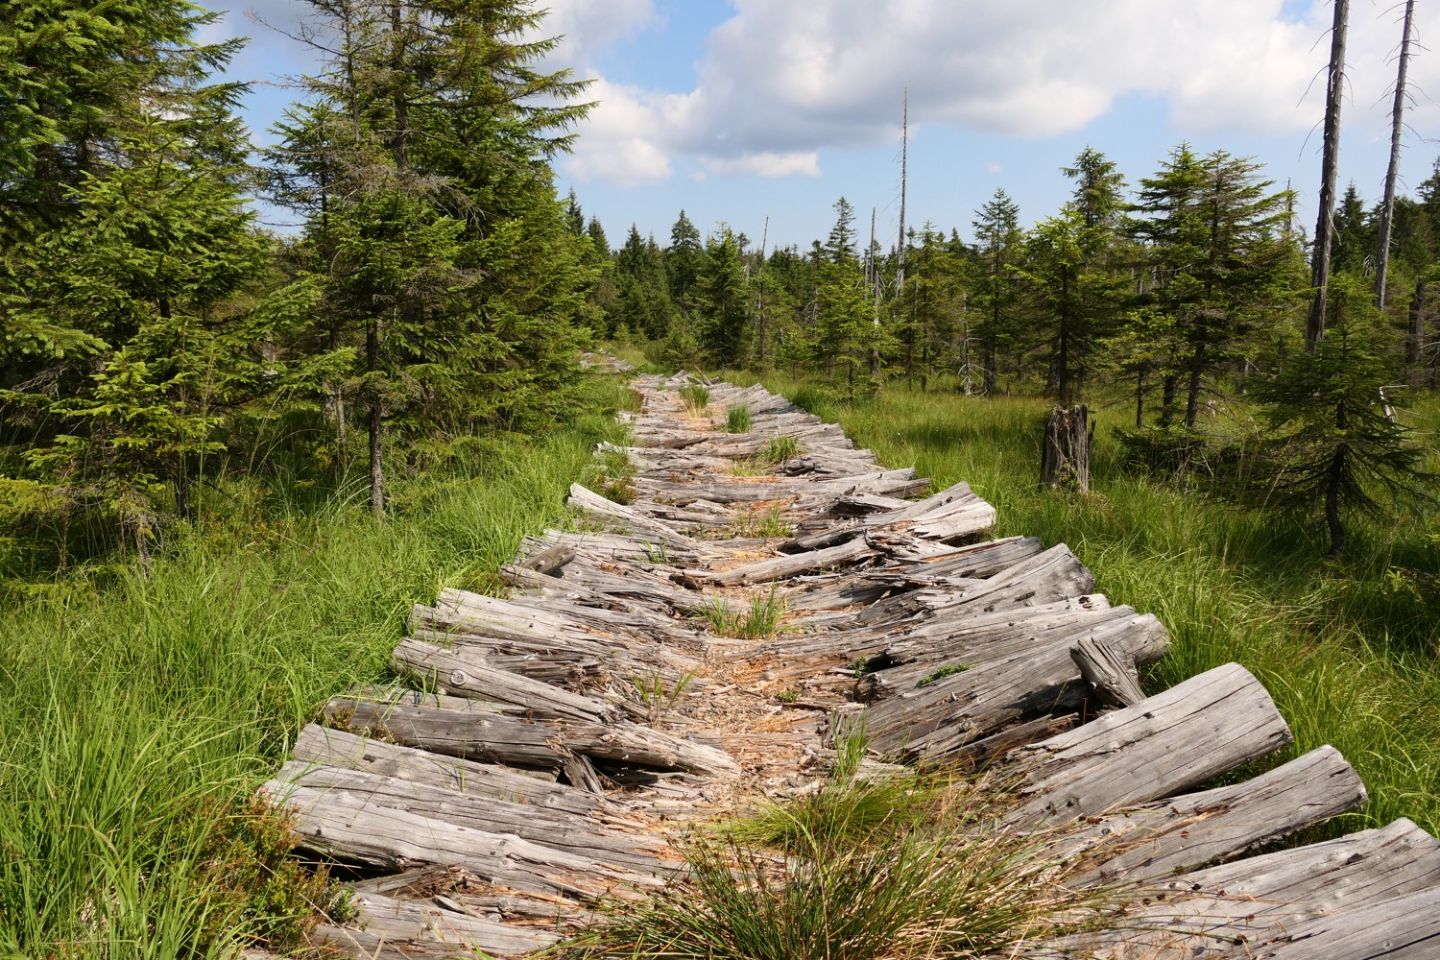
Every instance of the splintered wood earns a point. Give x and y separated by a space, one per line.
698 649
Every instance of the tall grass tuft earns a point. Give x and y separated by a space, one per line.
861 870
760 620
737 419
695 397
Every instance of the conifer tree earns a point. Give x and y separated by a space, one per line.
724 298
126 294
998 237
1334 447
1213 230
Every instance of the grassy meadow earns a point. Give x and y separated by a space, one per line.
1348 649
139 715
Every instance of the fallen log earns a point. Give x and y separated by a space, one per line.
1161 839
580 834
339 748
468 675
1176 739
1111 674
537 744
390 929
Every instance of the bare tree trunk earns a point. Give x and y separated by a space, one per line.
1397 120
1335 475
1192 395
1140 398
1415 334
377 422
904 190
1329 163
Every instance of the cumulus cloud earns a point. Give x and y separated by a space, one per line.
780 81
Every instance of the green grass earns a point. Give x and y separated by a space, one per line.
1347 649
139 718
737 420
759 621
695 397
780 449
750 522
903 868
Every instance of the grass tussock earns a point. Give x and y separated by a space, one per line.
780 449
767 523
898 868
737 420
760 620
695 398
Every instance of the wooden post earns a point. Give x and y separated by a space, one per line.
1065 458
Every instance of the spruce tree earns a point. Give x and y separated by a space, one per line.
124 296
1334 448
724 297
998 237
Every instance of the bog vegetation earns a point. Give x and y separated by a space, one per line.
231 459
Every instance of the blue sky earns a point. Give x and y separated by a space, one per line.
747 109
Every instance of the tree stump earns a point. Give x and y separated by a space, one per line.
1065 458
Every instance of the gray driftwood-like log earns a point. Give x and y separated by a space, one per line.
1176 739
539 744
1359 897
325 746
592 504
598 838
1111 674
467 675
351 829
1160 839
789 565
963 701
391 929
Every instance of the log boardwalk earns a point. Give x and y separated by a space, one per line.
566 733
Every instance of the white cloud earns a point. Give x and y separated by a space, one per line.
585 27
782 80
802 163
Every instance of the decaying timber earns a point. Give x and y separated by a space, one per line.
552 743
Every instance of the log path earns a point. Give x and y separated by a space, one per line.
567 734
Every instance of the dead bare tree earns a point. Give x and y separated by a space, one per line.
1397 120
904 189
1329 164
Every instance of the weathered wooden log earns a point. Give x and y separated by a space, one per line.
789 565
914 654
539 744
594 505
1176 739
459 672
1358 897
1111 674
581 834
1065 452
1161 839
957 706
347 828
549 560
339 748
387 928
